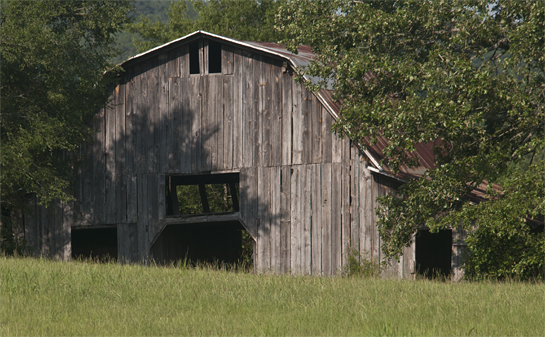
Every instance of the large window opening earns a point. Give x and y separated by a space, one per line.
194 66
214 57
210 243
434 253
95 243
202 194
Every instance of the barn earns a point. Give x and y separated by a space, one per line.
206 113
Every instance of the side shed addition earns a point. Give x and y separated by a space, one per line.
206 113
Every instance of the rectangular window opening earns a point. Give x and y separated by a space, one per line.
214 57
202 194
194 67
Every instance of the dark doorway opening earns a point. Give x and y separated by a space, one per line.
434 253
95 243
223 243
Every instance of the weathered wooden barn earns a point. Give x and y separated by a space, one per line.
205 109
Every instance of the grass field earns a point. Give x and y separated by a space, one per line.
43 297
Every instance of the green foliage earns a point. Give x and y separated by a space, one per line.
218 196
465 76
43 297
245 20
360 264
53 61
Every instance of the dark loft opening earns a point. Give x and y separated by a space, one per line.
214 57
194 67
202 194
95 243
215 242
434 253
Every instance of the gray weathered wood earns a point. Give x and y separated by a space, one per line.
127 242
336 220
249 199
227 59
264 215
275 218
174 124
67 222
110 156
316 231
130 133
238 122
194 87
285 223
336 149
295 219
265 111
306 125
227 123
326 219
315 128
327 150
140 118
306 254
371 228
153 116
287 106
276 115
248 111
183 62
345 204
354 200
99 167
142 224
163 113
132 199
297 115
366 241
120 213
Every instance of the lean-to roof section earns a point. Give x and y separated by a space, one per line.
374 152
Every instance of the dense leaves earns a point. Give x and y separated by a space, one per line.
53 60
466 75
245 20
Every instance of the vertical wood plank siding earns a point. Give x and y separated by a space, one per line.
306 195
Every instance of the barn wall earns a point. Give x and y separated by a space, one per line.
306 195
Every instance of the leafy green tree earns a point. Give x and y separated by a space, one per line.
53 58
245 20
467 76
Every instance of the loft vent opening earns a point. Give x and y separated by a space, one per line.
94 243
202 194
194 67
214 57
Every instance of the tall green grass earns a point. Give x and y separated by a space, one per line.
43 297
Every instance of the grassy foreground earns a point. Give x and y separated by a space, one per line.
43 297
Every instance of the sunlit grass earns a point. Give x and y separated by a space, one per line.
43 297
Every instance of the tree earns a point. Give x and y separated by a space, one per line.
465 75
245 20
53 60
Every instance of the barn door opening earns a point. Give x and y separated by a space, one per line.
95 243
215 243
434 253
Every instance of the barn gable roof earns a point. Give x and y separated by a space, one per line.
374 152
